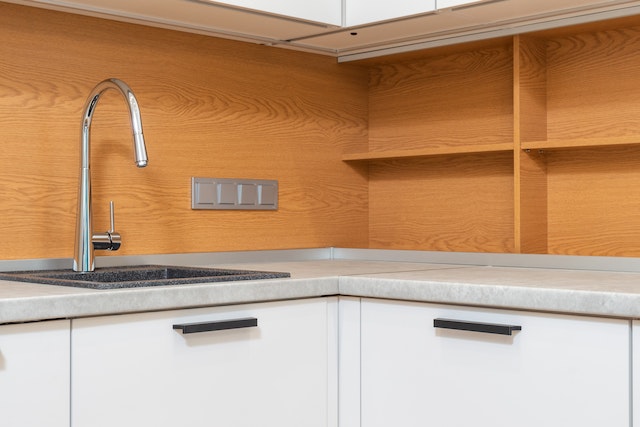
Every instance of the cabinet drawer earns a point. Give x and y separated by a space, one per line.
257 364
552 370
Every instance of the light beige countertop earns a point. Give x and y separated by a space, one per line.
600 293
20 302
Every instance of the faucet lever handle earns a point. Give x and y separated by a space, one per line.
110 240
112 222
114 236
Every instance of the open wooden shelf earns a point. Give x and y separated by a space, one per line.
530 146
559 144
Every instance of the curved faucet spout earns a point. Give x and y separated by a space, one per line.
134 116
86 241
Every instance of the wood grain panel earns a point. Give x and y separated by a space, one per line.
532 228
530 123
594 201
593 84
219 108
448 203
531 88
463 98
210 108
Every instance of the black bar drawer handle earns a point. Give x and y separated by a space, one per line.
221 325
488 328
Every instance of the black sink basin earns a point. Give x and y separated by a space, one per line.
136 276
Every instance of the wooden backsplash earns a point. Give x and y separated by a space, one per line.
210 108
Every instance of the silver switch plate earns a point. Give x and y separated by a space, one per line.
238 194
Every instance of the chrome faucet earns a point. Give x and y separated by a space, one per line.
86 241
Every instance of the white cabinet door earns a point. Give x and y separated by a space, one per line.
34 374
444 4
557 371
360 12
137 370
349 362
636 372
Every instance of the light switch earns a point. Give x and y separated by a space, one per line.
205 193
227 193
247 194
234 194
267 195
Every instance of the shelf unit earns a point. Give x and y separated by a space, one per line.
525 144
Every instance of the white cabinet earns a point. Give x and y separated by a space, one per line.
556 371
34 374
359 12
137 370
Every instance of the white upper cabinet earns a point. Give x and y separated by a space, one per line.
325 11
445 4
358 12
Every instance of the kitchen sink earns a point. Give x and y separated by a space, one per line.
137 276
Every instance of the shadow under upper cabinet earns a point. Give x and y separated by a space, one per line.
137 276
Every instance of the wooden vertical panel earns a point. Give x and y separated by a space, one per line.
533 218
530 124
531 75
210 108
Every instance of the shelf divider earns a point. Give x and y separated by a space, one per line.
530 123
